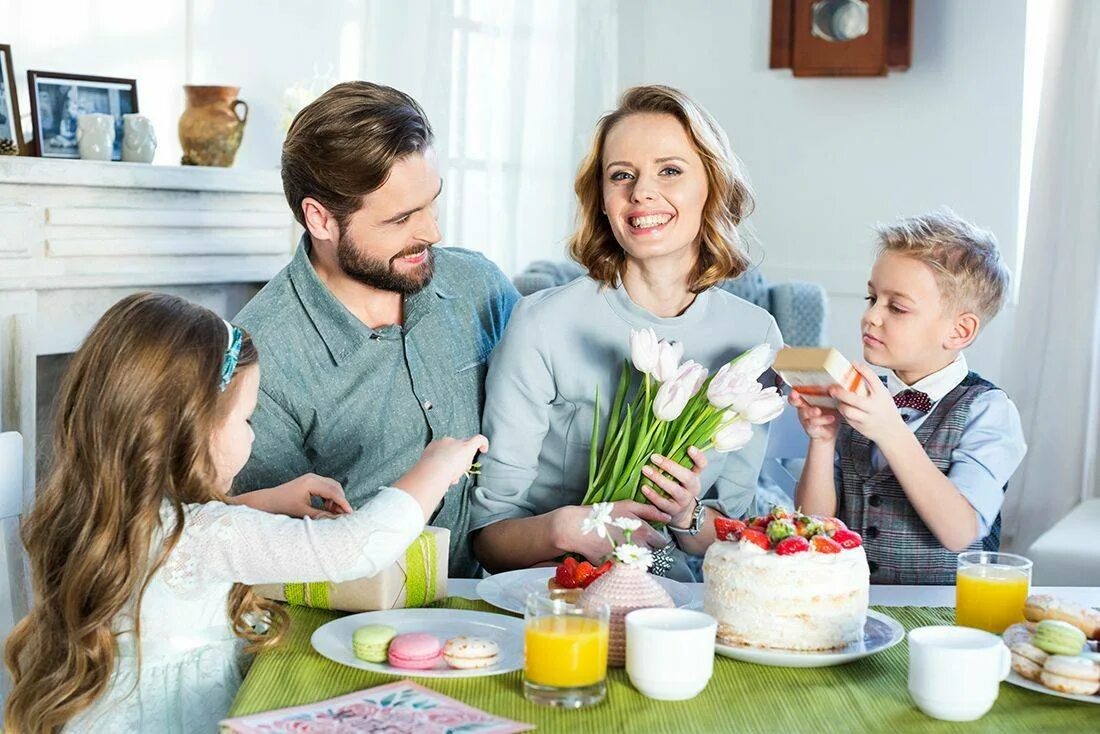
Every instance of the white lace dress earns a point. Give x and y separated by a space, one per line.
191 662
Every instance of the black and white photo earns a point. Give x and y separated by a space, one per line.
58 99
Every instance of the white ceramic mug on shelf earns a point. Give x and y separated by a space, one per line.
955 673
95 136
670 652
139 140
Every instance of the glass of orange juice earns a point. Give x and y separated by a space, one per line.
990 590
565 651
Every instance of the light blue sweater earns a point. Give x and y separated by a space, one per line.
558 346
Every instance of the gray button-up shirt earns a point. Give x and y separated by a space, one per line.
357 404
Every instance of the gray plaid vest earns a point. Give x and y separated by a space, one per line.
900 547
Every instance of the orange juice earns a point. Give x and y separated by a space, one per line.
565 651
990 597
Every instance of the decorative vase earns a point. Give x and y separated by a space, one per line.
139 141
95 136
624 588
211 127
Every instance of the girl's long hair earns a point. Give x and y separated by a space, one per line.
135 415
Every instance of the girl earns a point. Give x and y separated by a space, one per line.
138 556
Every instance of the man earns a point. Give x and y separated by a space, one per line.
373 341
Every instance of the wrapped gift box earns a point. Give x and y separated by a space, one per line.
812 371
415 580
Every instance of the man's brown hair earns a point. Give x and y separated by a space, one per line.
342 145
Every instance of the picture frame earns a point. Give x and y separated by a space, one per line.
10 128
57 99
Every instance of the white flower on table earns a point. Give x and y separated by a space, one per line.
633 555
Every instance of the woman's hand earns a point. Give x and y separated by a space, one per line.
295 498
681 492
569 538
820 424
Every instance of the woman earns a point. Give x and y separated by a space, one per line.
660 196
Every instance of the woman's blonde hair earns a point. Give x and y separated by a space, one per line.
135 415
729 199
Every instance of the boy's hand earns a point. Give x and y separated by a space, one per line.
874 415
820 424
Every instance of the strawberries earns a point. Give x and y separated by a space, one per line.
779 513
728 529
790 546
573 575
756 537
824 544
832 525
780 529
807 526
760 523
847 538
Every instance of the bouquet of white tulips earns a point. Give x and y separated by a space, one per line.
673 407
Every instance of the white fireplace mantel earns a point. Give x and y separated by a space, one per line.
76 236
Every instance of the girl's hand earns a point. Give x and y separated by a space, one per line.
450 458
566 523
295 498
820 424
681 491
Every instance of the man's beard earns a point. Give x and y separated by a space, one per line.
381 273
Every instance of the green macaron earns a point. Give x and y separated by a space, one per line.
370 643
1058 637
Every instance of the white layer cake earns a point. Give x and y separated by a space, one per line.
803 601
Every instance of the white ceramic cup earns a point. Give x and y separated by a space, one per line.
955 673
95 136
139 140
670 652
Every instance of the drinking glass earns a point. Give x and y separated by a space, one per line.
990 590
565 651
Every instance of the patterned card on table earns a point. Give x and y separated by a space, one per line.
394 708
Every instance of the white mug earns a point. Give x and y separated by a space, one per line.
955 673
95 136
670 652
139 140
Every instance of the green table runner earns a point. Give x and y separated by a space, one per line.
866 696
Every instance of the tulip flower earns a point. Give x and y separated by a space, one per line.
644 350
761 406
728 385
755 361
668 360
674 394
732 436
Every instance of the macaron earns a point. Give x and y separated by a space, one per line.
1058 638
415 651
1070 674
468 653
1028 660
370 643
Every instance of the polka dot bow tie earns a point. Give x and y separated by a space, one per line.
914 399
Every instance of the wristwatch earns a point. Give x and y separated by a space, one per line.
696 521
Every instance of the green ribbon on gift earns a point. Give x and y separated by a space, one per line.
420 579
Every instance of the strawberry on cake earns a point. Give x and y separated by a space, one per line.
787 581
571 578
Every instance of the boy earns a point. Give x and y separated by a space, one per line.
920 463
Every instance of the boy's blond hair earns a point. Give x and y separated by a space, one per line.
964 259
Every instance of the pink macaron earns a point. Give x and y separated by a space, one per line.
415 651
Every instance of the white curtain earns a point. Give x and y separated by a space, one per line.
513 90
1055 360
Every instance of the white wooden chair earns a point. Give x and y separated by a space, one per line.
12 594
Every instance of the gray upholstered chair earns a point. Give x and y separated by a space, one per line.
798 307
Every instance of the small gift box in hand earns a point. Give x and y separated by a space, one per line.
415 580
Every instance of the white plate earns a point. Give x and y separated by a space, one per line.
509 590
333 640
1018 680
879 633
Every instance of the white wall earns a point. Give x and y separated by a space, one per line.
831 157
